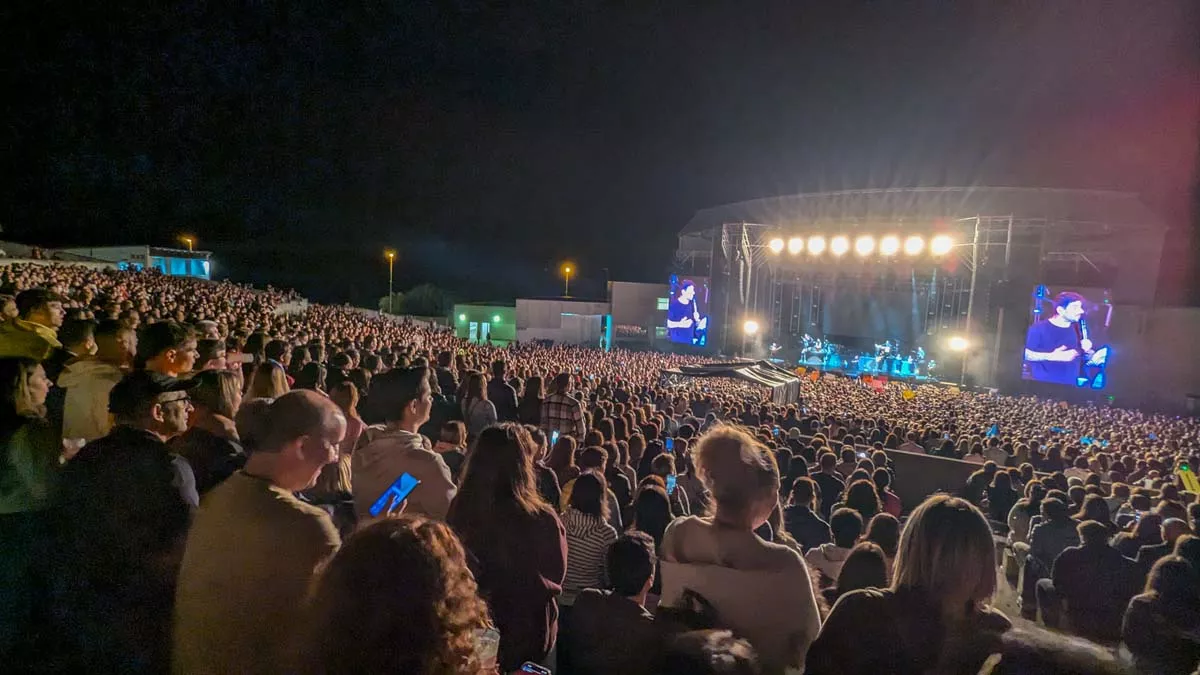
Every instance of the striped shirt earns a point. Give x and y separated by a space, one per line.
588 539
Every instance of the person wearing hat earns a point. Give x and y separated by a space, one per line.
34 333
125 506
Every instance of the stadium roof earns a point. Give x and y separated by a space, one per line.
1092 206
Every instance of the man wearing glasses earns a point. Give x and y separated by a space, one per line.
125 505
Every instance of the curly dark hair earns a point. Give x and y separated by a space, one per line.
398 598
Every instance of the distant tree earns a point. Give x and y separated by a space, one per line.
427 300
395 306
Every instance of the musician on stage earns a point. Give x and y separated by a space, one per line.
683 317
1054 346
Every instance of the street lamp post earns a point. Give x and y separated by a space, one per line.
391 258
189 241
567 269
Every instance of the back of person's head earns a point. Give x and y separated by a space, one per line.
252 420
828 461
1053 509
454 433
1094 508
77 335
652 509
847 526
593 457
865 567
296 415
663 465
218 392
497 480
708 652
396 394
805 492
590 495
946 551
1174 581
630 563
862 497
345 395
884 529
740 473
1092 533
397 597
1188 548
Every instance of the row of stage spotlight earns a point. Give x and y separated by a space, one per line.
865 245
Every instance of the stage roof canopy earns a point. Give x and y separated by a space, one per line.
1122 209
784 385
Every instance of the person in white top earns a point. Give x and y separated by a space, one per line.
760 590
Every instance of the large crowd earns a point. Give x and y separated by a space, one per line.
194 481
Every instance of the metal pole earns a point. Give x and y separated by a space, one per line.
391 295
974 275
567 285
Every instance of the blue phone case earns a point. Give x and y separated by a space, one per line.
400 489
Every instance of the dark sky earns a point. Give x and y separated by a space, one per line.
298 139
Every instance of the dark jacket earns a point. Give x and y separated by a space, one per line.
806 527
831 491
1097 583
1049 538
504 397
529 411
213 458
611 635
1148 555
1155 636
124 508
873 631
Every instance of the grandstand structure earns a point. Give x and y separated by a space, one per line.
1005 241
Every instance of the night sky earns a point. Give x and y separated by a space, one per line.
299 139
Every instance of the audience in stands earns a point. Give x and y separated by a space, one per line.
109 531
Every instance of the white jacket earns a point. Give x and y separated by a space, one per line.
85 409
382 456
774 609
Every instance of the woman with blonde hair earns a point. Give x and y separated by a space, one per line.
397 598
761 590
268 381
944 576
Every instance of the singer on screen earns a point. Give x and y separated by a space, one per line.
1058 349
684 320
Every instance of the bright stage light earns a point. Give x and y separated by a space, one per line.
913 245
958 343
795 245
889 245
776 245
750 327
816 244
839 245
864 245
941 244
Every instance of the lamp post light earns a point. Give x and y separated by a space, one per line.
189 241
567 269
391 258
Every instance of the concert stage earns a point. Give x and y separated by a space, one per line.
866 366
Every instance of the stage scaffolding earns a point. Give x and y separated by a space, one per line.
1010 241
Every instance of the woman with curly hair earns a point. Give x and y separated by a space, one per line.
397 598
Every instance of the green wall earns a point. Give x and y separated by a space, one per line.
501 322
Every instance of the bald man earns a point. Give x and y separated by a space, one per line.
253 547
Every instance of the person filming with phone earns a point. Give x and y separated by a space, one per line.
403 399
